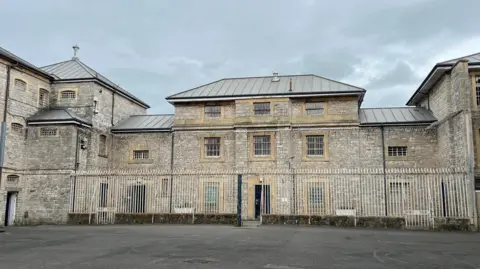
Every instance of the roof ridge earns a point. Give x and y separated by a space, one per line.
459 58
55 64
194 88
338 82
86 67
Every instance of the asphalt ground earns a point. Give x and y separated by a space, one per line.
199 246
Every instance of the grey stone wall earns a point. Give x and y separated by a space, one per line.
124 108
158 144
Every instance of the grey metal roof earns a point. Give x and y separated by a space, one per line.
7 54
144 123
75 69
395 116
473 58
57 115
251 86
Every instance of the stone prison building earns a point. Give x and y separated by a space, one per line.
77 148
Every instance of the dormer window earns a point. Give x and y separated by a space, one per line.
20 85
69 94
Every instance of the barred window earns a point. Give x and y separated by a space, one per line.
477 88
315 145
316 195
43 98
261 145
399 198
102 145
140 154
164 187
212 146
48 131
397 151
13 178
261 108
314 108
68 95
213 111
17 127
20 85
211 193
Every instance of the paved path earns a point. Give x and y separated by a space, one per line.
275 247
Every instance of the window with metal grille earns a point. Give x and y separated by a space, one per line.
212 146
12 178
47 131
102 145
261 145
211 193
68 95
477 88
43 98
399 198
314 108
20 85
140 154
164 187
17 127
315 145
397 151
213 111
261 108
102 202
316 195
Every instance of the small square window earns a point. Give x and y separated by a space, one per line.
46 131
261 145
397 151
315 145
20 85
68 95
213 111
140 154
212 146
260 109
314 108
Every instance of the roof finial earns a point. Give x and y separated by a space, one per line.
75 51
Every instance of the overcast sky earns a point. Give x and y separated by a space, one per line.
157 48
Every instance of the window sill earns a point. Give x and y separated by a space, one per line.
315 158
212 159
141 161
103 155
262 158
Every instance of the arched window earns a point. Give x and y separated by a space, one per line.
68 95
13 178
17 127
43 98
20 85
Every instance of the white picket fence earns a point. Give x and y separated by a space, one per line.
418 195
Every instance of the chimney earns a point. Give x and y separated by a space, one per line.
290 85
275 77
75 51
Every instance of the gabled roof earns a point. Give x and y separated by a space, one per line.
74 69
58 115
264 86
145 123
12 57
395 116
472 59
438 71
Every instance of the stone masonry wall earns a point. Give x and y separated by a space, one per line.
125 108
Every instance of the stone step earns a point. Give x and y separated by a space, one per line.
251 223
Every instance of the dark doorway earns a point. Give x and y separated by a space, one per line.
137 198
10 209
266 199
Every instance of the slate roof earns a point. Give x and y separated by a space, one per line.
75 69
145 123
7 54
57 115
472 59
252 86
395 116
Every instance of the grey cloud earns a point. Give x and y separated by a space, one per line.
400 74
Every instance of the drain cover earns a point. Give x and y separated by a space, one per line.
201 260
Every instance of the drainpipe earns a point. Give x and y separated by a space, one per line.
4 124
75 167
382 128
470 173
171 170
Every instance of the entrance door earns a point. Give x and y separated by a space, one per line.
11 208
258 200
